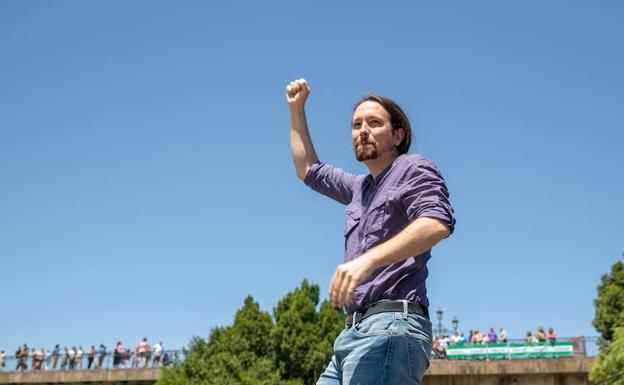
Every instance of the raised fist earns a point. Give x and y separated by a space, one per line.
297 93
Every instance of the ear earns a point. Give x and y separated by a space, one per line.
398 135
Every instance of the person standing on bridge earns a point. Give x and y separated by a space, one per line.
64 358
90 356
79 355
118 354
55 355
394 216
100 358
158 350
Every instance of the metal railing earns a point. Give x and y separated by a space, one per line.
584 346
97 362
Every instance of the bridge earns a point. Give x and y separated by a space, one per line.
549 371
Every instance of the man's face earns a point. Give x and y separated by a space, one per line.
372 133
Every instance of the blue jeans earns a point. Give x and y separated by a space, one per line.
384 349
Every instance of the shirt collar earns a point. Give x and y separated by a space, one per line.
377 181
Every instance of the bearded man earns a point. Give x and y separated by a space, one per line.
394 216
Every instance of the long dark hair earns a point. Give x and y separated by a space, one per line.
398 118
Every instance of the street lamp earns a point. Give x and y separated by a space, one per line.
455 323
439 314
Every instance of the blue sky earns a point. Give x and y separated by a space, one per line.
147 185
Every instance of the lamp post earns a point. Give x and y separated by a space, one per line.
439 314
455 323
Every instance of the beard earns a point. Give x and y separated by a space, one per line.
366 151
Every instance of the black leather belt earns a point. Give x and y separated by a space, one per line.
384 306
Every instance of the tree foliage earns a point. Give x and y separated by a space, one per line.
609 321
292 348
302 337
610 302
610 361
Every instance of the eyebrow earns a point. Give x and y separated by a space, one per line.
374 116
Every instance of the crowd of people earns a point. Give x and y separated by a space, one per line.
540 336
73 358
475 337
144 355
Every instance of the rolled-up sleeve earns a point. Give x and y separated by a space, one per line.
330 181
425 194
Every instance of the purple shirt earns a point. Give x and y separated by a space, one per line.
411 187
492 336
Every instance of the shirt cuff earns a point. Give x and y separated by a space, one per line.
442 217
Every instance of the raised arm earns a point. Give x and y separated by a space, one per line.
303 153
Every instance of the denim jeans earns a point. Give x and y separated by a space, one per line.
384 349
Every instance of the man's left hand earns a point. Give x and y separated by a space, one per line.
347 277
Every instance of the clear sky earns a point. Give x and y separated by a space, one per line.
146 184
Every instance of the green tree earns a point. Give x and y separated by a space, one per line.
256 351
237 354
609 321
303 338
610 361
610 303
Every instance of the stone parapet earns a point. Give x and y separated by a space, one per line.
101 376
569 371
537 366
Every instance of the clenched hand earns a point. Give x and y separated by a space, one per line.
297 93
347 277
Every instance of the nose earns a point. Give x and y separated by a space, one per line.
364 130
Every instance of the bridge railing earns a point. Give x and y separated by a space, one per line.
583 346
106 361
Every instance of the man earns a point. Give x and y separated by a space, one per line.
455 339
78 358
64 358
394 216
444 343
529 339
100 358
502 334
18 358
462 339
492 335
90 356
47 356
71 357
158 349
117 354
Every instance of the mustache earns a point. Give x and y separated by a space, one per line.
367 141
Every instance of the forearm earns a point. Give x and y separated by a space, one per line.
418 237
301 146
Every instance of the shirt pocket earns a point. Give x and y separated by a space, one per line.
353 215
374 228
379 220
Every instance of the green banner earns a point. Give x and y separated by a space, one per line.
510 350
